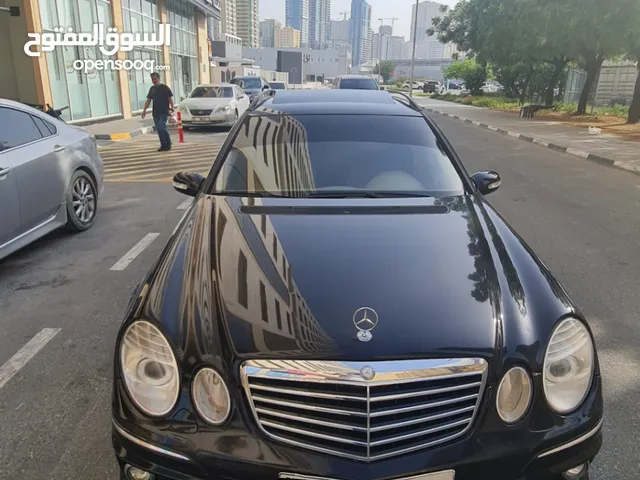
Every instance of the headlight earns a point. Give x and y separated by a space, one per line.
149 369
211 396
223 108
568 366
514 395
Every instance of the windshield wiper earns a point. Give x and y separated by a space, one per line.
366 194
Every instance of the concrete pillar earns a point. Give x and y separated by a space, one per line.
166 56
203 49
123 75
33 87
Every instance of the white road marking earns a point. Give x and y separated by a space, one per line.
26 353
184 205
137 249
495 129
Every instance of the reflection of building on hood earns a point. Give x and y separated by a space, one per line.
278 154
257 283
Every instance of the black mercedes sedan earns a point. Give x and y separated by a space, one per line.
340 302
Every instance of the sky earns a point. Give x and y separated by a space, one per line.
379 9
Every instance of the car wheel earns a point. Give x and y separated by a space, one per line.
82 202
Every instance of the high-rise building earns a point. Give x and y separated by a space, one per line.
426 46
297 16
248 23
339 31
270 33
319 23
289 38
229 19
360 33
381 43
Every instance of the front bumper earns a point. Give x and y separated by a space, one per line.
214 119
185 448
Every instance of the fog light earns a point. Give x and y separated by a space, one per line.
134 473
575 473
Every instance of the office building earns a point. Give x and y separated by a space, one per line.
319 23
360 33
289 38
248 23
316 63
339 31
297 16
229 21
426 46
270 33
110 93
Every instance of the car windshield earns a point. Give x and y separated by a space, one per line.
212 92
336 155
277 85
358 84
250 83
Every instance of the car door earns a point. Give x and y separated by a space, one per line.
242 99
36 153
10 224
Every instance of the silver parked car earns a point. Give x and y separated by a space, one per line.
51 176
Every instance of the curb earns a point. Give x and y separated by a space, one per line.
627 167
123 136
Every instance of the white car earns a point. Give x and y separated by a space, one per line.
489 88
452 88
213 105
416 85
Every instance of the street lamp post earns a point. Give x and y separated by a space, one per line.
413 53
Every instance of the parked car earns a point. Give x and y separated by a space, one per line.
489 87
453 88
213 104
431 86
251 85
355 82
51 176
416 85
279 85
340 301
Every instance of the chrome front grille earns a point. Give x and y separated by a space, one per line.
329 406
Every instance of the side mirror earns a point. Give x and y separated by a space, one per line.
265 87
188 183
487 181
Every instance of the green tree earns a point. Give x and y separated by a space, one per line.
384 68
473 73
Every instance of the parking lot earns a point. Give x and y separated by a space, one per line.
62 298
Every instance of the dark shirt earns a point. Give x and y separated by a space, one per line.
160 94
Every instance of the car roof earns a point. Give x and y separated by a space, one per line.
341 77
336 101
242 77
216 85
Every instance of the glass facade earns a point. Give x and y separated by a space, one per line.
140 16
94 93
184 48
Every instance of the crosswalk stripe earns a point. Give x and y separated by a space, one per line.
130 162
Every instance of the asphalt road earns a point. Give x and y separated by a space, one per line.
581 218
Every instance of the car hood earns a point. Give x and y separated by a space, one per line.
204 103
278 278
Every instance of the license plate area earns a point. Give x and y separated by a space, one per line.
200 119
443 475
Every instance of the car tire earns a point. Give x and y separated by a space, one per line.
82 193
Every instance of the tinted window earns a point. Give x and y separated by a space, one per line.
307 154
248 82
17 129
42 126
212 92
277 85
358 84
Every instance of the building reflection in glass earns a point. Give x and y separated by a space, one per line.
270 154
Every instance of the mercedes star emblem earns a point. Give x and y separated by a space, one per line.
367 373
365 319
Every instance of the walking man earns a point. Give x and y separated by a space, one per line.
162 98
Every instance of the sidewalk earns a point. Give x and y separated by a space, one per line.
120 129
604 149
